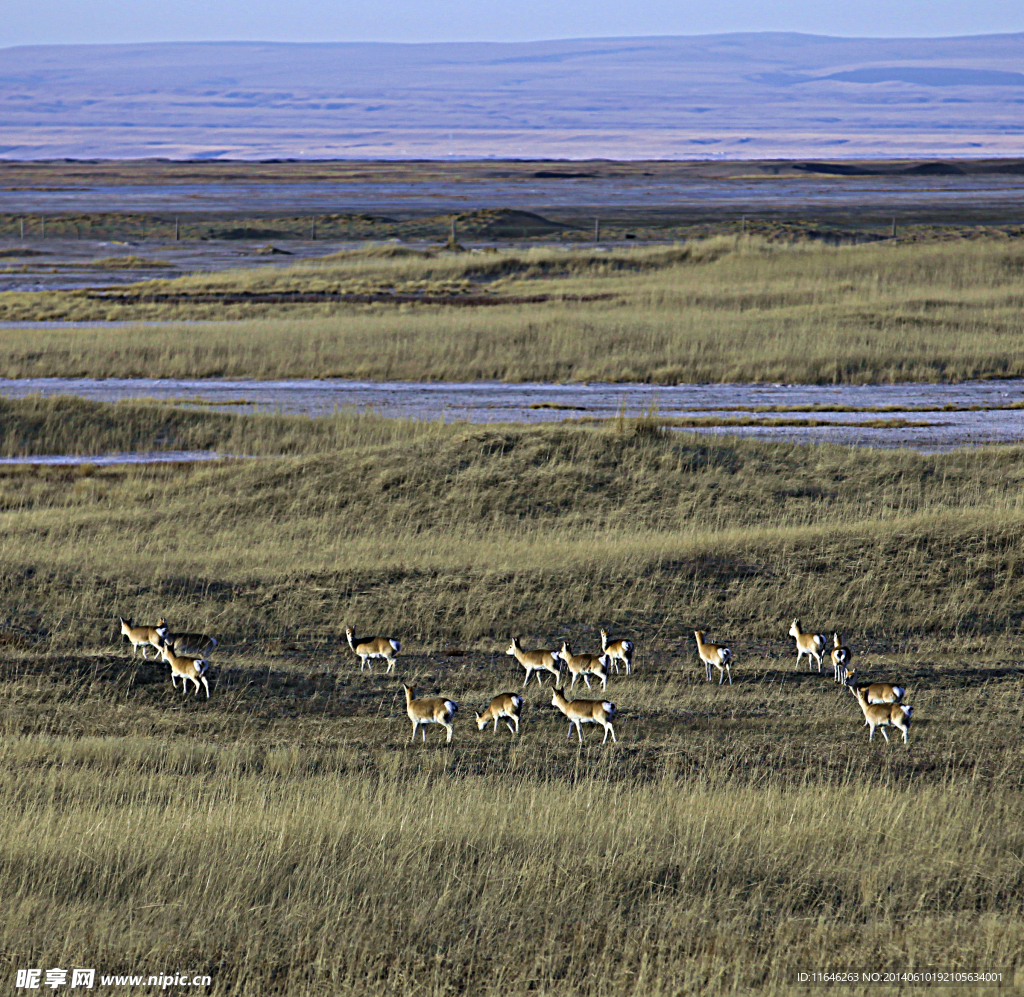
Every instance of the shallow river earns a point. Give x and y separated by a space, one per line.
483 402
709 199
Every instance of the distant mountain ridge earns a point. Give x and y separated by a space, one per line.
770 95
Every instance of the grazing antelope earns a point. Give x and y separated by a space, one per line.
373 647
429 711
141 636
185 643
714 654
813 645
535 661
888 715
506 705
618 650
841 659
190 669
585 665
585 711
877 692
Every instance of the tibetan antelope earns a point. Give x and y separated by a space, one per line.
618 650
373 647
841 659
585 665
888 715
877 692
182 643
429 711
189 669
535 661
714 654
141 636
507 706
813 645
585 711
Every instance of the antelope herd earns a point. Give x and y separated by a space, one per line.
881 703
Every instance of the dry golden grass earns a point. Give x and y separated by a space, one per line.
285 838
70 425
722 310
466 529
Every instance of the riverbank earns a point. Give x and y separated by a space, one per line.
722 310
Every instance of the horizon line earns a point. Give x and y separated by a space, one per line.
534 41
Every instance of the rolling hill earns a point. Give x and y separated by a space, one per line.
733 96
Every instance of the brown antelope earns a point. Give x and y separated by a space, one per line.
429 711
618 650
841 659
189 669
535 661
183 643
507 705
585 665
585 711
813 645
373 647
888 715
714 654
877 692
141 636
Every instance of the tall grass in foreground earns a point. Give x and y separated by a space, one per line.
281 879
734 310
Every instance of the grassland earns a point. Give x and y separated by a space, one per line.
285 837
571 226
725 309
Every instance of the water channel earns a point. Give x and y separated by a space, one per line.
930 418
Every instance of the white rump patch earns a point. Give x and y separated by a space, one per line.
395 645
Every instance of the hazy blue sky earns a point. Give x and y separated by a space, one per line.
64 21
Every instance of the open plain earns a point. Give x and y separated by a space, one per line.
286 837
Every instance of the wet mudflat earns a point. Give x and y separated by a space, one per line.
69 264
926 417
147 457
922 198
